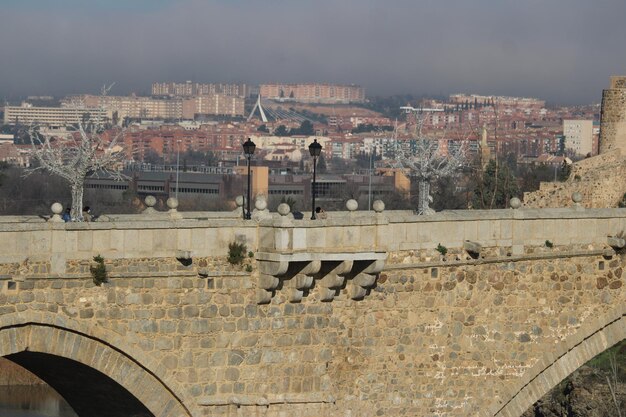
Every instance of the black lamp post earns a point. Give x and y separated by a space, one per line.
315 149
248 150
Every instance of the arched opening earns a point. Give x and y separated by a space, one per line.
95 378
87 391
591 339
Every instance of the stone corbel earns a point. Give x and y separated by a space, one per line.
333 278
300 275
616 242
296 274
365 280
472 248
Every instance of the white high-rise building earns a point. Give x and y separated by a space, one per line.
578 136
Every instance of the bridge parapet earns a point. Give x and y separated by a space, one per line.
362 238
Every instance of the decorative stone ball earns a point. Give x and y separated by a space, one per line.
378 206
260 203
284 209
150 200
239 200
577 197
515 203
352 205
172 203
57 208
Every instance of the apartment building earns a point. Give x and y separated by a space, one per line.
523 102
189 89
314 93
578 136
136 107
27 114
213 104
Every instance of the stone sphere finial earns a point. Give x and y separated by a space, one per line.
172 203
577 197
378 206
150 200
260 203
284 209
239 201
515 203
352 205
56 208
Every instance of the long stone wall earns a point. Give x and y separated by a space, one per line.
465 333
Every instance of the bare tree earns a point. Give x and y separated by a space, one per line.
426 163
85 150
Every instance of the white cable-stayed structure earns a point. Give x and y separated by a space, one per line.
258 106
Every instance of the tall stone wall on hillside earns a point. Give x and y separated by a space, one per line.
600 180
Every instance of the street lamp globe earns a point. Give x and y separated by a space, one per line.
315 149
248 147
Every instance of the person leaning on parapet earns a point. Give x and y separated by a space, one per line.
87 214
67 216
320 213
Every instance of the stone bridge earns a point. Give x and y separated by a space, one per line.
355 315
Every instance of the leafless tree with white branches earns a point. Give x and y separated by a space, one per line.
427 163
82 152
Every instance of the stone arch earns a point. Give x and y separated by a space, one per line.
43 335
593 338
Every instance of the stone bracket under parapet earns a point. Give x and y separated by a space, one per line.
296 274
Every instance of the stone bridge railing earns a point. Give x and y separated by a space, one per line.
347 249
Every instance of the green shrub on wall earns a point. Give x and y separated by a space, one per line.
99 271
236 253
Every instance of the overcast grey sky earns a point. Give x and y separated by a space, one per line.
560 50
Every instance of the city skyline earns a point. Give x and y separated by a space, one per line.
562 52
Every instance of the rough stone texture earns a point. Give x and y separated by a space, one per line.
598 179
12 374
435 335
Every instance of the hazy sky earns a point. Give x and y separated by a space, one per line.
560 50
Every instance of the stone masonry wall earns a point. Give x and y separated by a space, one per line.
598 179
434 337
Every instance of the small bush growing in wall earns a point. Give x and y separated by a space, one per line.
99 271
549 244
441 249
236 253
250 254
248 268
